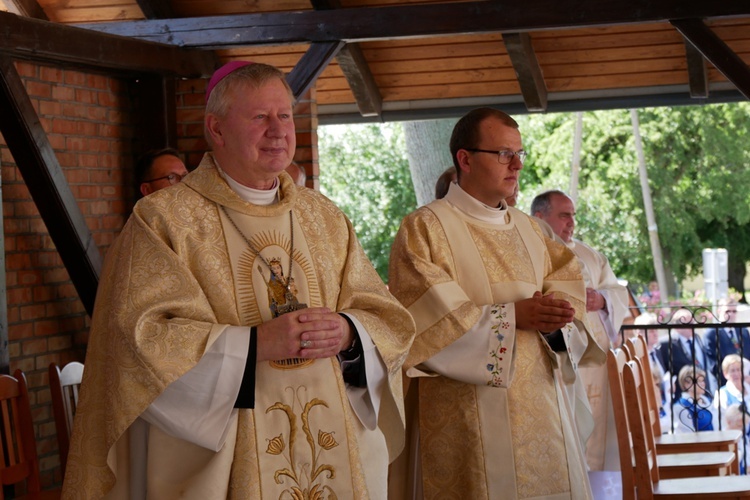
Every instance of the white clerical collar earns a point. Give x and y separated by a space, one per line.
261 197
471 206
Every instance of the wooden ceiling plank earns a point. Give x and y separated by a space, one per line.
697 74
716 51
307 70
44 41
359 24
35 159
156 9
528 71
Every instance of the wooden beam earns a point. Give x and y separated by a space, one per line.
528 71
359 24
27 8
43 41
356 70
361 82
41 171
697 74
716 51
311 65
156 9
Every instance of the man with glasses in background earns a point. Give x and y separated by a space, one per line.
158 169
493 301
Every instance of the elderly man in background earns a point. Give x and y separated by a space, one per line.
158 169
493 300
606 306
199 383
726 339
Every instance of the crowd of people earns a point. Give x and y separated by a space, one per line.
243 346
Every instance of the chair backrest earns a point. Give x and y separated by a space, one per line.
646 469
64 385
18 460
638 349
616 360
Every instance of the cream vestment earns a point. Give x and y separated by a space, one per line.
170 339
493 419
601 447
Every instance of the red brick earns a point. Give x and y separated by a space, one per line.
25 208
60 342
50 74
20 331
28 277
18 261
34 346
61 93
50 108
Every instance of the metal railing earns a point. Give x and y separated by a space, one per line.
688 400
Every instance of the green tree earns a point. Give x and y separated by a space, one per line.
696 156
364 170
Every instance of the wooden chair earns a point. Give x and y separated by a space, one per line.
678 465
649 484
18 460
704 441
64 387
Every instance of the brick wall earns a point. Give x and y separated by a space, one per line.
89 121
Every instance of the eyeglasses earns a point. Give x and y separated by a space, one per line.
504 156
172 178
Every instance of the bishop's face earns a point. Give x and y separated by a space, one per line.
256 140
482 175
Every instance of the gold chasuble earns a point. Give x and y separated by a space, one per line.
178 276
494 424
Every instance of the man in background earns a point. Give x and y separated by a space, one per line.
158 169
606 307
725 340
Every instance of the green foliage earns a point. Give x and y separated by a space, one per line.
696 158
364 170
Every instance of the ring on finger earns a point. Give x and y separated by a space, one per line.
304 344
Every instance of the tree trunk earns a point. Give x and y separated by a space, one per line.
736 275
428 151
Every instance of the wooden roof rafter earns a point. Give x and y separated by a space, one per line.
356 70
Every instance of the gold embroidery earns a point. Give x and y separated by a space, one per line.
310 472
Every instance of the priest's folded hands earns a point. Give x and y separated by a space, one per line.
543 313
315 332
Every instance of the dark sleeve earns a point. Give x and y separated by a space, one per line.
353 360
556 341
246 396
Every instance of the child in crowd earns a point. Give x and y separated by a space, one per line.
693 411
737 418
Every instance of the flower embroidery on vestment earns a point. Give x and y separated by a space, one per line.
499 330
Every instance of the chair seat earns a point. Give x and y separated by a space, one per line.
703 488
682 465
43 495
705 439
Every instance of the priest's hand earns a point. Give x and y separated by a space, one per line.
543 313
315 332
594 300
